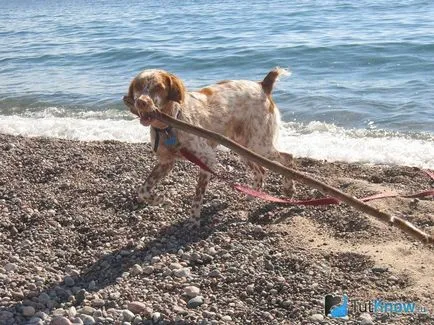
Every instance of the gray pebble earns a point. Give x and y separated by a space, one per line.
215 274
175 266
380 269
155 259
138 307
287 303
207 258
148 269
208 314
69 281
41 315
179 310
17 294
182 273
86 310
72 312
156 316
185 257
32 287
92 285
136 269
59 312
366 319
317 317
60 320
87 319
97 313
80 296
10 267
195 256
4 315
127 315
35 321
191 291
195 302
267 315
268 265
28 311
98 303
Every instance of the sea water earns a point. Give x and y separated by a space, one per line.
361 89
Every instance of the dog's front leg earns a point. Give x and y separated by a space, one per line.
145 192
196 206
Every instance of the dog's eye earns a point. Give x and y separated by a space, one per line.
158 87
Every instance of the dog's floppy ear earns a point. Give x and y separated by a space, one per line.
129 99
175 88
132 87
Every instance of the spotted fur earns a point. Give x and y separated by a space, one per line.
242 110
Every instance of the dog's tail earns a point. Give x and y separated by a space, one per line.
268 82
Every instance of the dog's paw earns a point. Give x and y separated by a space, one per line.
155 200
288 189
194 223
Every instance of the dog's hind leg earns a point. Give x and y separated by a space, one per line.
286 159
258 175
205 153
288 185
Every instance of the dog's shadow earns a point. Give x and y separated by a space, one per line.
272 213
110 268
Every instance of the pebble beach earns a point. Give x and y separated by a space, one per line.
76 248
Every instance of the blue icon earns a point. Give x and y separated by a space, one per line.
335 306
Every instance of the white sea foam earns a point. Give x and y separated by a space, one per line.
75 128
326 141
316 139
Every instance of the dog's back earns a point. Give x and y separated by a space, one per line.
240 109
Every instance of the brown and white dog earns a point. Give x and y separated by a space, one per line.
239 109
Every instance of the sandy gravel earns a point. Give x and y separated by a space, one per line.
75 246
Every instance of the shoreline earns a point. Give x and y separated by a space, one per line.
71 236
317 140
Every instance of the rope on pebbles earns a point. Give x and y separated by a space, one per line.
384 217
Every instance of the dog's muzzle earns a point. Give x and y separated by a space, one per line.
144 104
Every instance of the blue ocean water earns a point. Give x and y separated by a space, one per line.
362 71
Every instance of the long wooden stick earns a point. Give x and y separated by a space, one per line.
400 223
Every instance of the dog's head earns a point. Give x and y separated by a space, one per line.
154 89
